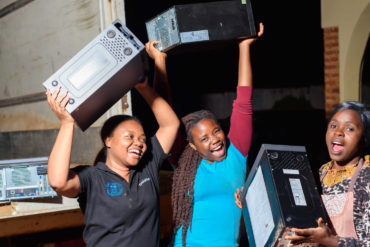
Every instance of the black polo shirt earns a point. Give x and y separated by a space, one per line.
117 213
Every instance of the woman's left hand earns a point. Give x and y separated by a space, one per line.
237 198
142 85
153 52
249 41
321 234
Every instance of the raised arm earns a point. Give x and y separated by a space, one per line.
162 87
61 179
241 118
166 117
160 83
245 68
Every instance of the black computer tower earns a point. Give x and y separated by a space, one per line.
201 25
280 192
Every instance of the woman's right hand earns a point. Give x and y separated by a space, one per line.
320 234
58 103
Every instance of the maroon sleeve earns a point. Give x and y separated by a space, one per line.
240 133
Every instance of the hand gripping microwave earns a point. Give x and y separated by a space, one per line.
101 73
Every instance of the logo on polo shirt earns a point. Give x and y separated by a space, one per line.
114 189
144 181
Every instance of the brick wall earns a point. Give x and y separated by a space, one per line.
331 70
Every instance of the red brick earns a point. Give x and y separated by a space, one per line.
329 74
330 66
328 37
331 52
331 83
331 45
330 29
331 69
333 59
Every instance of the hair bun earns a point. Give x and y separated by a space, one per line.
194 117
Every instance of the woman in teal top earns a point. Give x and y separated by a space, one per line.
212 167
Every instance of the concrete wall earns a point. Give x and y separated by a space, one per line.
37 37
35 40
38 143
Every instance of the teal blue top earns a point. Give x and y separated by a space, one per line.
216 218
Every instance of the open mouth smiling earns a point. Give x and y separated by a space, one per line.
337 147
219 150
136 152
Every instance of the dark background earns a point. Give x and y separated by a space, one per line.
289 55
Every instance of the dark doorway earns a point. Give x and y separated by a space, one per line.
365 75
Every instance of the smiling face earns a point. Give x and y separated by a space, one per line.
127 144
344 137
209 140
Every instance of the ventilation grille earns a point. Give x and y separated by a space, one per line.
115 46
21 177
288 160
165 37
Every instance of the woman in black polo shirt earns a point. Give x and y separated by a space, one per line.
119 196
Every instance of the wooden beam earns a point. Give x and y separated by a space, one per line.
11 226
30 98
13 6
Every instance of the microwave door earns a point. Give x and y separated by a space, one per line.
89 71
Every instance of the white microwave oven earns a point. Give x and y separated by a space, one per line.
100 73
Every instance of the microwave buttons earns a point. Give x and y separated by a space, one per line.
111 34
127 51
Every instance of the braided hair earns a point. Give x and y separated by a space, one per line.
184 176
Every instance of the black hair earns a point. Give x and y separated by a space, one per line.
184 176
107 131
193 118
364 113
